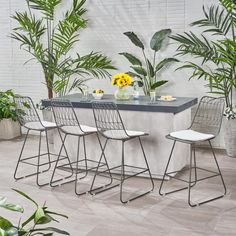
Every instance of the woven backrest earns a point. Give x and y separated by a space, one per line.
26 110
209 114
64 113
107 118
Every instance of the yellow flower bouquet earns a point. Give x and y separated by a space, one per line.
122 80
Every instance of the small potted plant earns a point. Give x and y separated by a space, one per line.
9 125
148 71
36 224
98 94
122 80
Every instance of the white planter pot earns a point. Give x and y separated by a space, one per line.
9 129
230 137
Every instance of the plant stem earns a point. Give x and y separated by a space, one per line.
154 62
148 72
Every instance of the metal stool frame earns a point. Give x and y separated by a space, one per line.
208 117
64 115
108 118
30 114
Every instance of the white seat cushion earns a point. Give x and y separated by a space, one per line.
77 131
36 125
120 134
191 135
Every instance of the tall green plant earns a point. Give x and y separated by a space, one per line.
34 225
147 70
214 51
51 41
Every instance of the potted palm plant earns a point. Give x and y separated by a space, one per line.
9 125
213 56
147 70
50 42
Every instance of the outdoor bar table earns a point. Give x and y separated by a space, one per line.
157 119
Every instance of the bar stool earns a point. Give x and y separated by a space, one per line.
68 124
29 119
205 127
110 126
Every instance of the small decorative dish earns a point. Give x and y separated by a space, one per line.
98 94
166 98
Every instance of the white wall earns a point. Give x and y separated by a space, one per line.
108 19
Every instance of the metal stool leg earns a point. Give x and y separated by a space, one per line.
19 159
48 150
77 169
212 199
85 159
38 162
218 168
165 173
195 164
52 182
145 158
123 174
104 187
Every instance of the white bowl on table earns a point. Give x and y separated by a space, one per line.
97 96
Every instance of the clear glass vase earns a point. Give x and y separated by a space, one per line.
122 94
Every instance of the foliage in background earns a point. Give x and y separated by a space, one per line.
147 71
214 51
8 107
34 225
50 42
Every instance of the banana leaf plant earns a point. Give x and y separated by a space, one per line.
147 70
213 53
33 225
50 42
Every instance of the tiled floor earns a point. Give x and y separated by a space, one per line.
104 215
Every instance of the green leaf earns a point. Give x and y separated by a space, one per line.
230 5
4 223
31 218
3 232
53 229
26 196
165 62
131 58
140 70
158 84
46 7
12 232
134 39
39 214
159 38
216 21
55 213
9 206
150 69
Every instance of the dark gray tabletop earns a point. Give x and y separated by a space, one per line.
142 104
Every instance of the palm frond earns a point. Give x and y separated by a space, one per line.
217 21
229 5
94 64
29 24
66 34
199 47
46 7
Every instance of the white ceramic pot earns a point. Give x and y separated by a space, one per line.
230 137
9 129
